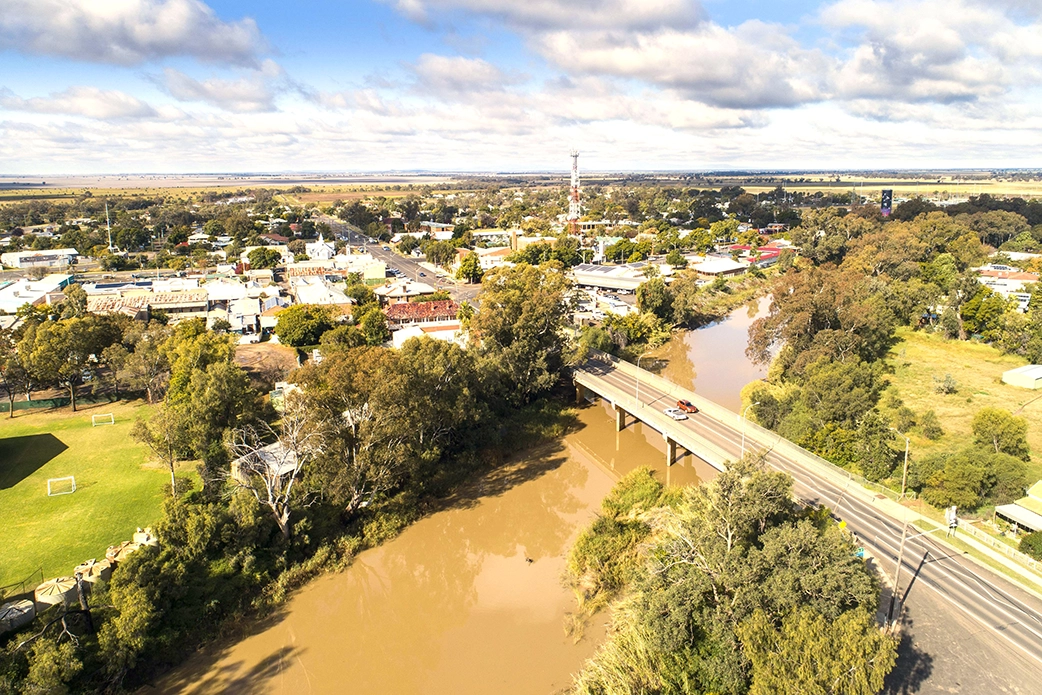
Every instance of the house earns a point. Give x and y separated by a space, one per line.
402 291
284 252
315 290
488 258
450 332
439 231
412 313
1026 512
273 238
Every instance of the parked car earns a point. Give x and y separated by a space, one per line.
675 413
249 339
687 406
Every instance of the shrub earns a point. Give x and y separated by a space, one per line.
947 386
931 426
1031 545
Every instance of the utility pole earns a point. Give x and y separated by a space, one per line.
897 575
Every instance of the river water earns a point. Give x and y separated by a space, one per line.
453 605
711 360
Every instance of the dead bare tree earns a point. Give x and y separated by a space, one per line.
269 462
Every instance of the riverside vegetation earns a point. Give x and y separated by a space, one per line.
833 323
728 587
375 435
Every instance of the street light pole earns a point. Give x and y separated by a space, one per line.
636 393
904 474
743 419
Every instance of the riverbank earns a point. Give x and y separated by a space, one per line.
451 604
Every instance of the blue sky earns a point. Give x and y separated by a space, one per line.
126 86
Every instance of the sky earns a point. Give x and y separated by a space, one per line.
187 86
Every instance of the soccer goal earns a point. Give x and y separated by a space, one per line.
61 486
106 419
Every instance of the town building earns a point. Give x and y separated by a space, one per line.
489 258
413 313
402 291
1027 377
320 250
52 258
14 294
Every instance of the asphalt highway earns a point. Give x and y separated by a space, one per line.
409 266
1002 611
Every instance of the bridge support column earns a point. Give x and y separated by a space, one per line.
671 451
620 418
580 393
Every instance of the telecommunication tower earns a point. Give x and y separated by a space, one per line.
573 199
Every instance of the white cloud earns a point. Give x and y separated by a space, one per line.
127 32
548 14
754 65
90 102
252 93
939 51
456 74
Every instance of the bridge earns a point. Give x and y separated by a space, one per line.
979 615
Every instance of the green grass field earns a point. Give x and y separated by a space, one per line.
117 489
977 368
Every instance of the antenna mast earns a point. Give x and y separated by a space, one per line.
108 223
574 211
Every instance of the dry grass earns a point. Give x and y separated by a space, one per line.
920 359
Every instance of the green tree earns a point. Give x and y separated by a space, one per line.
676 259
808 654
1002 431
470 268
653 296
519 326
303 324
931 426
1031 545
52 666
166 436
263 257
373 324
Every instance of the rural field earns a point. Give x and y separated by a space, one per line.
920 360
117 490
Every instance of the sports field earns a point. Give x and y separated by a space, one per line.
117 490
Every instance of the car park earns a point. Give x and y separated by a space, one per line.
675 413
687 406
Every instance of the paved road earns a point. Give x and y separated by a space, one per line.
409 266
979 622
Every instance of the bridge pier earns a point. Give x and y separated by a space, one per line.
580 393
620 417
671 450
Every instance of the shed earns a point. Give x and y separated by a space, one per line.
1027 377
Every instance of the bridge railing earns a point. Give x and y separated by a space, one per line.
753 432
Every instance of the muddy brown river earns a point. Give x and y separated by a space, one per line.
453 604
470 599
711 360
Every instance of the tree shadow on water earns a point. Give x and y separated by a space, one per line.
913 666
20 457
230 677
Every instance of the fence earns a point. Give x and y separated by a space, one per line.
61 402
26 586
1012 553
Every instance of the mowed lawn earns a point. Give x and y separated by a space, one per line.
116 489
977 368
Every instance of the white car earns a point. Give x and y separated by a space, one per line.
675 413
